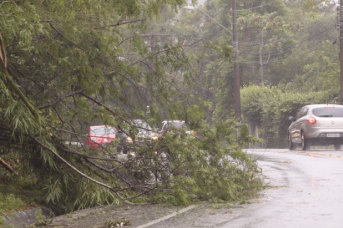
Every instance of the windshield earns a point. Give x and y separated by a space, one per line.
328 112
142 124
98 131
176 125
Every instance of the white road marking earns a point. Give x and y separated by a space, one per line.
167 216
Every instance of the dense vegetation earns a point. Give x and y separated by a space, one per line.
289 57
66 65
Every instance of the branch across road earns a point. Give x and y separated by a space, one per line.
303 189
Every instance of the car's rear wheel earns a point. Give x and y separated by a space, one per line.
125 150
291 145
120 149
305 144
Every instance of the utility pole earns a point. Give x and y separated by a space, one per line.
152 46
341 48
237 84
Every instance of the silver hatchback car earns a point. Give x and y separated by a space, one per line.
318 124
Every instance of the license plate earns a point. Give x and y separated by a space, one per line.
333 135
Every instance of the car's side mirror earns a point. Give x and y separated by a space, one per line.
291 118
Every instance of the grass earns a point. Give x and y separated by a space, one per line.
217 206
10 203
17 194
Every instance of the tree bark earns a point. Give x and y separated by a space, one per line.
7 166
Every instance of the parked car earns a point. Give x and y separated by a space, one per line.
175 124
318 124
141 133
100 136
145 132
126 142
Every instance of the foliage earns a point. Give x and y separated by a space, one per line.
215 74
3 224
119 222
40 219
9 202
306 62
212 172
286 44
71 64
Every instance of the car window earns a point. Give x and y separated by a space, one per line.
177 125
299 113
304 111
328 112
164 127
142 124
102 131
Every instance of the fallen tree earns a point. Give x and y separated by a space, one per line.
62 69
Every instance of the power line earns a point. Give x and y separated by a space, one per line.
284 51
280 60
291 46
275 58
312 23
256 7
257 42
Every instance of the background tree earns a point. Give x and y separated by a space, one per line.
293 53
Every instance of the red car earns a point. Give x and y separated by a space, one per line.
99 136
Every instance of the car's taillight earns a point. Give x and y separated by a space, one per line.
311 120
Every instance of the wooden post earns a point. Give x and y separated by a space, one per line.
237 83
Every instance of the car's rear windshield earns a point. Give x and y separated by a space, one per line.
102 131
176 125
142 124
328 112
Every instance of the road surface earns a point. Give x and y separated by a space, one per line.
305 190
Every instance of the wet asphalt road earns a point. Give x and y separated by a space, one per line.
306 190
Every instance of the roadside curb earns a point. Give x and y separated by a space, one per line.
139 215
23 218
